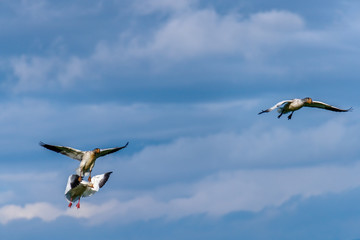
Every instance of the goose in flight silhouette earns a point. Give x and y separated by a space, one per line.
293 105
87 158
76 189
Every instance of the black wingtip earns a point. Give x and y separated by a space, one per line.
74 181
50 147
124 146
263 111
105 179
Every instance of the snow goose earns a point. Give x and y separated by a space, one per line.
87 158
76 189
293 105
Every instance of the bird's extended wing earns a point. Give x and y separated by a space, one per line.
274 107
98 182
73 181
104 179
104 152
74 188
326 106
68 151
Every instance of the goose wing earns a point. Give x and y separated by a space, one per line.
68 151
318 104
104 152
73 181
74 188
275 106
104 179
98 182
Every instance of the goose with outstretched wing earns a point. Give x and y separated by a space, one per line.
76 189
87 158
293 105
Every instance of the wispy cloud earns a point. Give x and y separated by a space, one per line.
215 196
204 32
44 211
35 73
188 33
256 147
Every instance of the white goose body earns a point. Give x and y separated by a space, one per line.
294 105
87 163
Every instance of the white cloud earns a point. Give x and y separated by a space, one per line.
34 73
254 190
255 146
199 33
204 32
191 31
188 32
215 196
191 34
42 210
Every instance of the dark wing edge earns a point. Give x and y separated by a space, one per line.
74 181
264 111
104 152
318 104
50 147
104 179
68 151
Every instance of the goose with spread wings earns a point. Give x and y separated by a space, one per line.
76 189
87 158
293 105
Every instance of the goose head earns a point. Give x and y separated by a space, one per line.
308 100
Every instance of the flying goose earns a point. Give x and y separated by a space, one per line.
293 105
87 158
76 189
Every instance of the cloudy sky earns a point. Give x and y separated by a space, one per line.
183 82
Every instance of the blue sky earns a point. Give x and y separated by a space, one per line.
183 82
